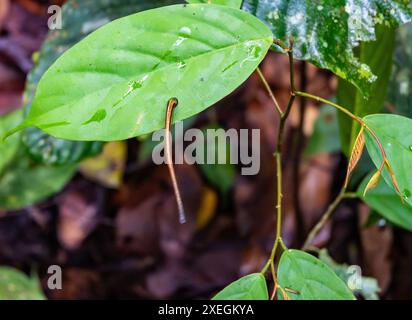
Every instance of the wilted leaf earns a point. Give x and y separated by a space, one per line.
310 277
395 133
356 154
108 167
250 287
372 183
100 90
325 32
15 285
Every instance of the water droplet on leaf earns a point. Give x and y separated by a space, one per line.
185 32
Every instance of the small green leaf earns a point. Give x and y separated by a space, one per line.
9 147
325 137
197 53
326 31
395 133
25 183
15 285
378 55
387 203
310 277
250 287
230 3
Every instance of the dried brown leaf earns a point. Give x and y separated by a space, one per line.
356 154
373 182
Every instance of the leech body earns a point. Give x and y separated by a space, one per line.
171 104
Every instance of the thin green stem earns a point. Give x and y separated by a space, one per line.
350 195
278 156
340 108
351 115
269 91
325 217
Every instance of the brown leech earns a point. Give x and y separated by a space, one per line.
171 104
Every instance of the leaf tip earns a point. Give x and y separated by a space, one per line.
373 182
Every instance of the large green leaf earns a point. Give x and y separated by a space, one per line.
230 3
117 89
250 287
395 133
310 277
78 20
400 88
326 31
15 285
24 183
9 147
378 55
387 203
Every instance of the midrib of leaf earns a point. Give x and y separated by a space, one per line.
392 140
301 275
30 120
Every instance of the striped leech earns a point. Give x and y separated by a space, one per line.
171 104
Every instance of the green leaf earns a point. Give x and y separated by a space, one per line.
378 55
9 147
310 277
25 183
388 204
325 137
52 151
117 89
78 20
219 175
326 31
250 287
369 289
400 88
395 133
229 3
15 285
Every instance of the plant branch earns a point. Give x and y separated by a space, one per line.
354 117
278 156
269 91
325 217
